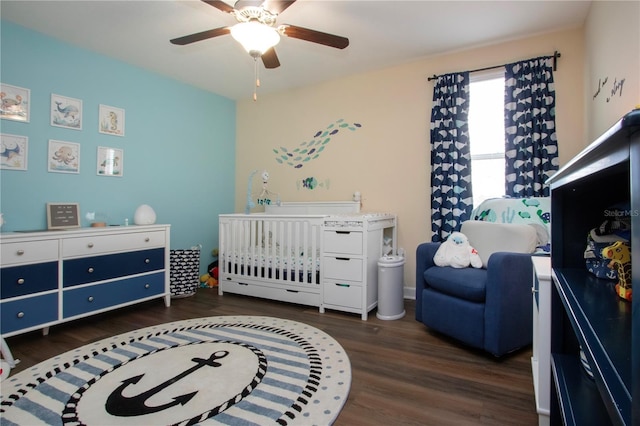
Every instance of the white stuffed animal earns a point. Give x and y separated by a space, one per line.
457 253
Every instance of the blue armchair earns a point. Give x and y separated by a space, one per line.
488 308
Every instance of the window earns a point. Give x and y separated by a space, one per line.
486 135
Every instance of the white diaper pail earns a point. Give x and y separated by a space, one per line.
391 287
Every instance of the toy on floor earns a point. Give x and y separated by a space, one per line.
210 279
457 253
620 255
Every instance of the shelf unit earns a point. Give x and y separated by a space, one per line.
586 313
541 353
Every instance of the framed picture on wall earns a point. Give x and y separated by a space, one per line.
13 152
15 103
110 161
111 120
64 157
66 112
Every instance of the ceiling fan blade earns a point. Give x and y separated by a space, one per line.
315 36
220 5
192 38
277 6
270 59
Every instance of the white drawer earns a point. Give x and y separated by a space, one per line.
85 246
343 268
347 295
347 242
266 292
29 252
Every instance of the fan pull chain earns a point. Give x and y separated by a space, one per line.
255 90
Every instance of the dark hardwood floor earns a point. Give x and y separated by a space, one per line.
403 374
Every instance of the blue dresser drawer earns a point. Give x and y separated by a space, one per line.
92 298
30 312
90 269
28 279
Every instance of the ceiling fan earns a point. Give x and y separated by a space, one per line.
256 29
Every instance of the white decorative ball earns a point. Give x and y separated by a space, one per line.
144 215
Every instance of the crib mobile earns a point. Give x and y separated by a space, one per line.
265 197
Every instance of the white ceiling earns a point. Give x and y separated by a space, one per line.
381 34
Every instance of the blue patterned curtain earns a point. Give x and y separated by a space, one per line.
451 201
531 150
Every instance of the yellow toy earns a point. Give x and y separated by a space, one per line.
208 281
620 255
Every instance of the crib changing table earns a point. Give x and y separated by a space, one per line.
324 260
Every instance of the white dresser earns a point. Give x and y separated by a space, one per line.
352 245
541 357
56 276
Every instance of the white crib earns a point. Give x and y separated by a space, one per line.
320 254
272 256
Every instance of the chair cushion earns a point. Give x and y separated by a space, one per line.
468 283
532 210
490 237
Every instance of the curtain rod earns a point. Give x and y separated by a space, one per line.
555 57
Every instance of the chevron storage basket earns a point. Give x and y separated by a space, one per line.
184 276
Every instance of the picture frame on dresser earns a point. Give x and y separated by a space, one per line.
63 215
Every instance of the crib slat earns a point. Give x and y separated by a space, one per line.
291 226
266 255
222 246
273 249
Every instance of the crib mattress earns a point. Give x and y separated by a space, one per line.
278 262
260 266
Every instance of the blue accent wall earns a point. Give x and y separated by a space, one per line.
179 142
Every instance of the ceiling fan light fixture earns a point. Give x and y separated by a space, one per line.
255 37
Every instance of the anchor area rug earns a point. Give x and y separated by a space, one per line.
231 370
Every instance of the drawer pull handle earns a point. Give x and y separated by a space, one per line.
20 252
90 245
147 261
90 299
90 270
146 240
147 286
293 291
20 314
343 232
533 290
343 285
20 281
342 258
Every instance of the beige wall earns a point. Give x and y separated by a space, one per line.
612 54
387 159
